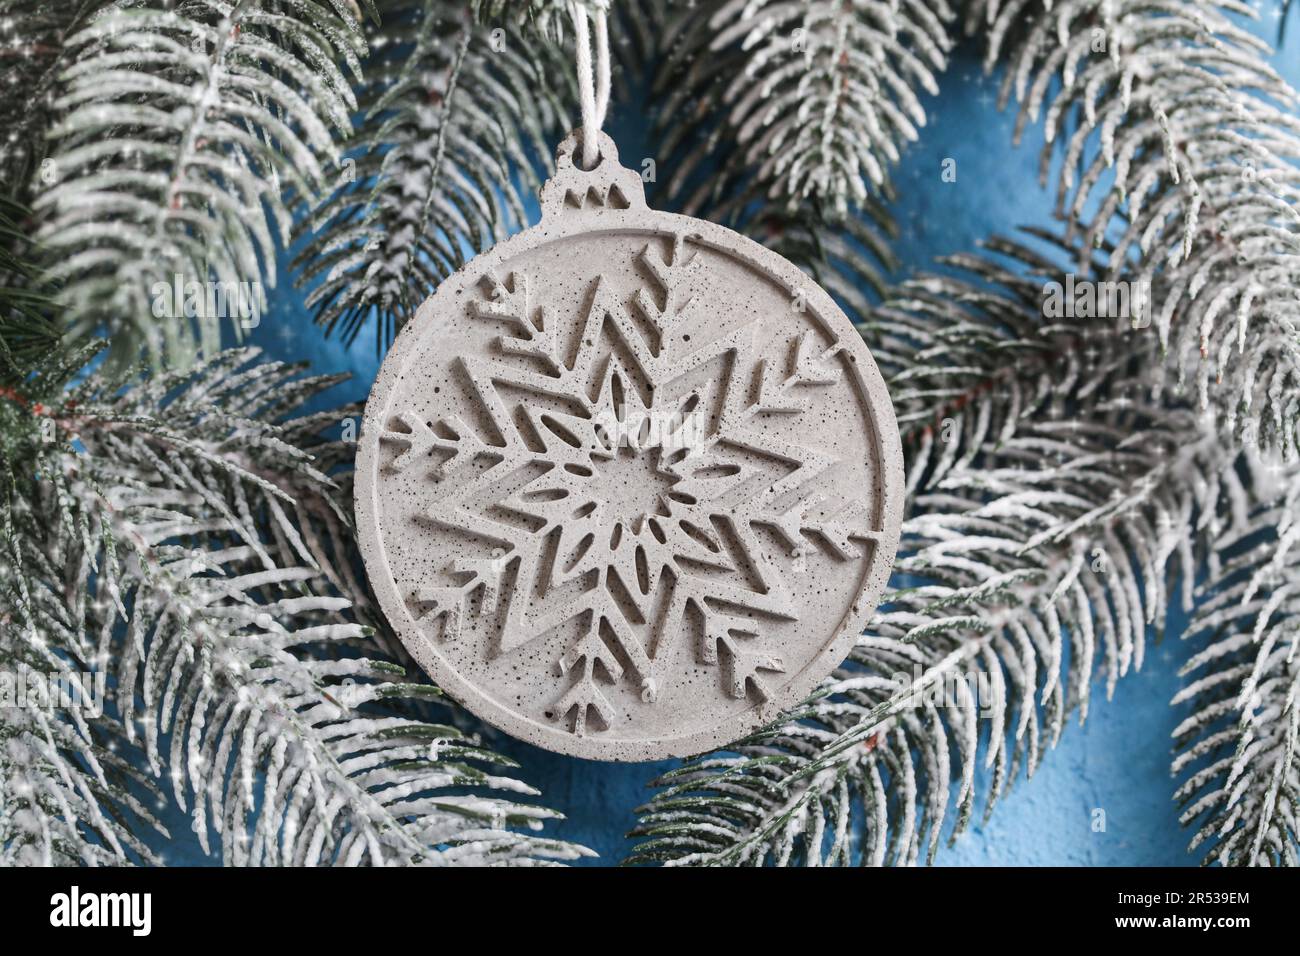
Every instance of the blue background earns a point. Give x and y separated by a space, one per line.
1119 761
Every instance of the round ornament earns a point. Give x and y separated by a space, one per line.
628 483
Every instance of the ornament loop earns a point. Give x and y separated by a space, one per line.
607 185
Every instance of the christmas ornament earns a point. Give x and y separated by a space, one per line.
628 483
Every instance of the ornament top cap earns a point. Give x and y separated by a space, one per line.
607 185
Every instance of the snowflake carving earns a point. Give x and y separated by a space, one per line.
617 501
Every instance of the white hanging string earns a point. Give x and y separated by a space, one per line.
593 81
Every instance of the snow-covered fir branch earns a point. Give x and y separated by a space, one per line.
28 330
458 117
32 55
67 795
174 534
1239 748
1178 137
547 18
185 138
795 102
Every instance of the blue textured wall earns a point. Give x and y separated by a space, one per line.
1119 761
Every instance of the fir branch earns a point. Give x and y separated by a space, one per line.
33 53
1177 107
457 118
28 331
1239 750
65 794
547 18
795 102
164 538
68 796
188 139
